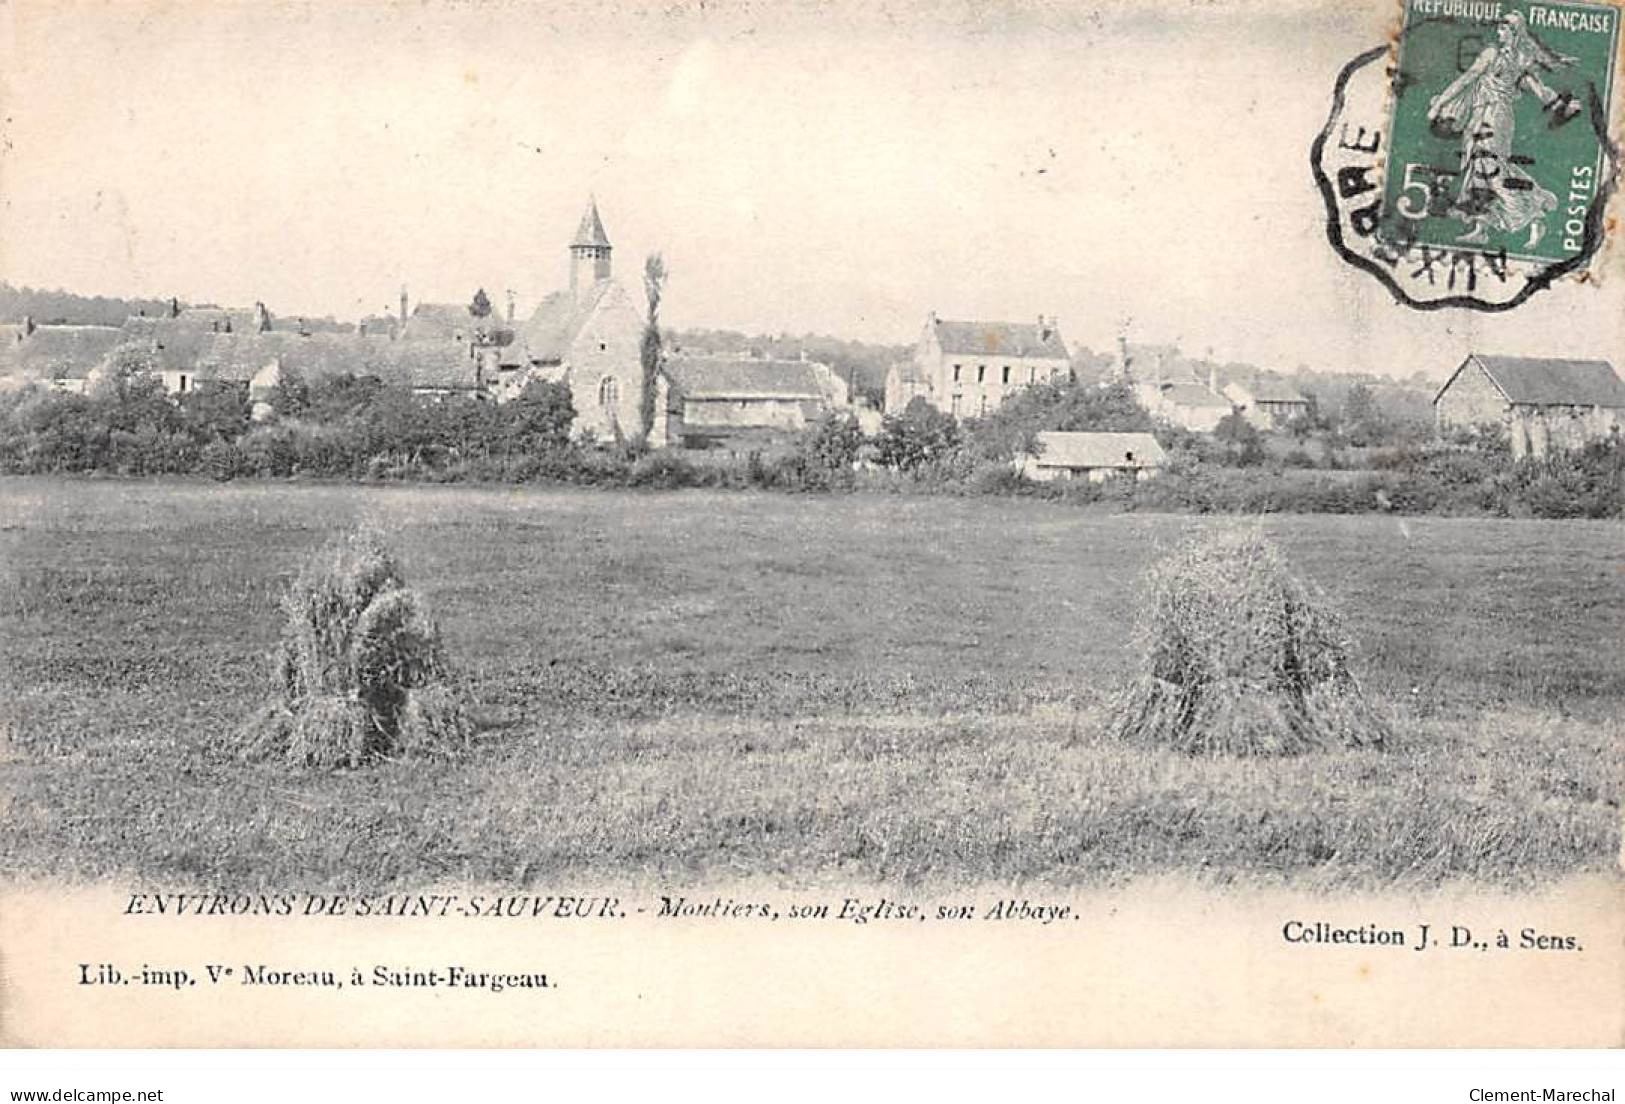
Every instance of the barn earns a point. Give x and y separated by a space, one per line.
1546 404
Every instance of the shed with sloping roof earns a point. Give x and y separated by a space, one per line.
1093 456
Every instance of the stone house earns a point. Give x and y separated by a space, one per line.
1093 456
968 368
1545 404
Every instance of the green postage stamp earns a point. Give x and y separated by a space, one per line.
1498 129
1470 162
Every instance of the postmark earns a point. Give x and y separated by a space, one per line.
1470 164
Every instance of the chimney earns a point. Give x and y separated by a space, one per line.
262 317
403 304
1213 377
510 304
28 324
1122 356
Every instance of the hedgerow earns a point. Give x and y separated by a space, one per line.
357 429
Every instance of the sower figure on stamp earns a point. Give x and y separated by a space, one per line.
1495 192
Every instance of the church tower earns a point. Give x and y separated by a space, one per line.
589 252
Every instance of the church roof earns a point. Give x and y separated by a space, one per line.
1010 339
591 230
552 328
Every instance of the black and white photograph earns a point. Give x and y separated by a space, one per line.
1045 524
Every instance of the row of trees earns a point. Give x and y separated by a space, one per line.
335 426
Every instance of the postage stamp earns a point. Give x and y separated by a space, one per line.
1474 168
1492 145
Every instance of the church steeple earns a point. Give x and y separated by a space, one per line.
589 251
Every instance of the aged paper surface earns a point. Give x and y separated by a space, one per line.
1148 167
1147 966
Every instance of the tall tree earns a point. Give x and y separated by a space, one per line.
481 306
654 283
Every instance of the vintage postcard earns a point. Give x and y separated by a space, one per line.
1033 524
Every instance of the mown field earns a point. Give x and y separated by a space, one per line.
717 685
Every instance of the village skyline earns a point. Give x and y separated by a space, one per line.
795 177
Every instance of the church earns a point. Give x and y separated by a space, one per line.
588 336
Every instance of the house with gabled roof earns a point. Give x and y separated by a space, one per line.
742 403
968 368
588 336
1546 404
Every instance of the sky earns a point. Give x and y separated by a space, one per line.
1131 168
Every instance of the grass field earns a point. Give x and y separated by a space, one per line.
708 686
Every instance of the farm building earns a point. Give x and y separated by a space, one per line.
738 403
968 368
1546 404
1093 456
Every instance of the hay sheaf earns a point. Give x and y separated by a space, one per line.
360 673
1240 657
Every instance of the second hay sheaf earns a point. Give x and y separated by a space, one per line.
1239 656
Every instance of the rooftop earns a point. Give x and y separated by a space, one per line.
1098 450
1009 339
737 378
591 230
1542 381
